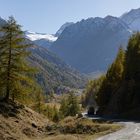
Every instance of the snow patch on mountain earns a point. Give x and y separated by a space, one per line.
33 36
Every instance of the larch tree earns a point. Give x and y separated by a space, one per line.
112 80
14 69
91 91
132 71
73 107
132 66
69 106
38 98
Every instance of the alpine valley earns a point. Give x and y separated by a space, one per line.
77 47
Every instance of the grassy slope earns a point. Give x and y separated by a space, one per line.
18 122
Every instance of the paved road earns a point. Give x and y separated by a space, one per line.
131 131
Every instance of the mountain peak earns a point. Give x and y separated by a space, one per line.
132 19
132 12
91 39
110 18
62 28
2 21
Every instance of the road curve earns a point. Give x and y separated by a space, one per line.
131 131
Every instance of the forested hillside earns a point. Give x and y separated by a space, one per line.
53 73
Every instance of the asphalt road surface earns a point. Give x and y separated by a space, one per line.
131 130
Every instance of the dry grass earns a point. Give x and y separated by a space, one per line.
22 123
57 105
18 122
72 128
69 137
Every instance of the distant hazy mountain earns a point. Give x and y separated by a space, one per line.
132 19
43 40
91 45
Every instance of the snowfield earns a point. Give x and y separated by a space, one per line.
37 36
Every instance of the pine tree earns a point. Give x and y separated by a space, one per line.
14 69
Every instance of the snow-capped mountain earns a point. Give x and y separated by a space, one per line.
46 40
91 45
132 19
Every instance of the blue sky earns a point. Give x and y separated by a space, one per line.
47 16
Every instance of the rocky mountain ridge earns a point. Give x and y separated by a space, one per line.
91 45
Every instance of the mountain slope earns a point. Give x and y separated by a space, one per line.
53 72
91 45
62 28
2 21
132 19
